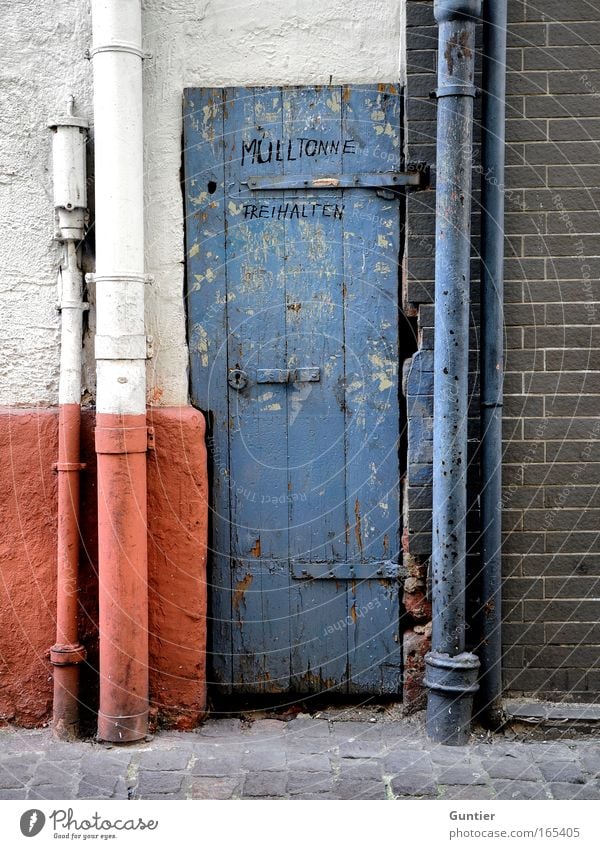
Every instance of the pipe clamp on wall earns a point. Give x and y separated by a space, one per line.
121 440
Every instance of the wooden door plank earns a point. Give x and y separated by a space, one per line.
207 327
371 115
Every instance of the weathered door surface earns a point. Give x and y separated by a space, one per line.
292 247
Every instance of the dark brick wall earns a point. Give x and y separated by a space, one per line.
551 553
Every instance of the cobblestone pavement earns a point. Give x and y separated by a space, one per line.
304 758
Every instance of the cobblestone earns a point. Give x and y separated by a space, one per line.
305 758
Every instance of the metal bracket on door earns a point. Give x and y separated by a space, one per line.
288 375
417 177
383 569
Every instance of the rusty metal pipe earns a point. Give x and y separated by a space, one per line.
451 675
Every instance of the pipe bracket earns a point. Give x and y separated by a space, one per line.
452 10
121 440
455 91
69 467
67 655
118 47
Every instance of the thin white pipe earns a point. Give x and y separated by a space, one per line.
120 340
71 305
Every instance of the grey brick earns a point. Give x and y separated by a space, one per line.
164 759
516 588
218 766
271 784
468 792
519 790
536 681
573 633
569 359
563 564
418 14
555 10
15 772
299 783
267 757
573 541
361 768
562 611
554 657
462 774
359 789
575 791
309 762
215 788
528 634
558 518
573 34
562 771
414 783
157 783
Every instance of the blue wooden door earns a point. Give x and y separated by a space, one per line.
292 268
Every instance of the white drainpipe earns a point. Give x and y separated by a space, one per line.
121 433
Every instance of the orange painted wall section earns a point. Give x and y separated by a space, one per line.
177 536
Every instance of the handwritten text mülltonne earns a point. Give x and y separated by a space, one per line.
261 151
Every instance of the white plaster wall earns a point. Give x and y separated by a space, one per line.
193 43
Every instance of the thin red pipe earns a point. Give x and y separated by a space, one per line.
67 653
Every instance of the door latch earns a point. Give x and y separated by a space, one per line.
312 374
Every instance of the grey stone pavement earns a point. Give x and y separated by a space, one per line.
308 757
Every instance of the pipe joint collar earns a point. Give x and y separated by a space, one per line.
453 676
121 440
453 10
67 655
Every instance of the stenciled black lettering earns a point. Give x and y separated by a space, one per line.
259 155
282 212
295 211
338 211
289 152
349 146
278 156
310 148
326 208
249 147
250 210
264 209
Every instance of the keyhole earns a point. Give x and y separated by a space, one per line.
212 187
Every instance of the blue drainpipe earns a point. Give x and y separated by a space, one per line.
492 355
451 672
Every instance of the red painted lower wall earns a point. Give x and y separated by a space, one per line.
177 538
